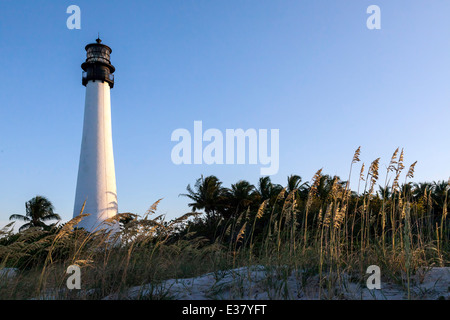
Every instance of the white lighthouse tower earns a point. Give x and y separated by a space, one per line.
96 184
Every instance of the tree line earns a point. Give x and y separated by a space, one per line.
216 205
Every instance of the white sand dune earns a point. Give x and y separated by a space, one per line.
8 273
260 283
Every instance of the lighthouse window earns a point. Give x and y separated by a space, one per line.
99 54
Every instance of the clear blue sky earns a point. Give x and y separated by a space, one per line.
311 69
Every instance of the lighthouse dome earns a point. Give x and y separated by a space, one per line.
98 64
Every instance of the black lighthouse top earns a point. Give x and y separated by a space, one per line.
98 65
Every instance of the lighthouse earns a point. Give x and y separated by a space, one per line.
96 183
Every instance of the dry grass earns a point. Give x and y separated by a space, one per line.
343 233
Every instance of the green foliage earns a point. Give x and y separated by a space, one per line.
320 229
38 210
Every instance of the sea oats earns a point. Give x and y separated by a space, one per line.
411 170
152 209
400 166
238 221
327 218
334 188
241 233
373 172
393 161
315 181
340 214
319 217
228 230
281 194
261 209
356 155
361 174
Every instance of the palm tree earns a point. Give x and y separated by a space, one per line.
326 183
384 193
439 195
420 189
239 197
38 210
208 195
293 182
406 189
266 190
